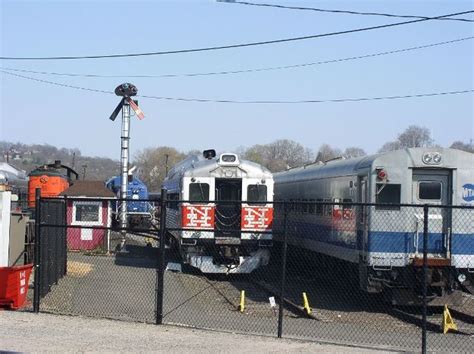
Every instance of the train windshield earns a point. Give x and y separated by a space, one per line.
388 194
257 193
198 192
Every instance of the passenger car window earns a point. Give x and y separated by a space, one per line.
429 190
198 192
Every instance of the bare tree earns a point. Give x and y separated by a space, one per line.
279 155
390 146
415 136
353 151
462 146
326 152
154 162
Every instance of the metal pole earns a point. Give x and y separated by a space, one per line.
283 271
65 236
160 269
37 285
124 168
425 273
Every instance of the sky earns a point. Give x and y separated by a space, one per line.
34 112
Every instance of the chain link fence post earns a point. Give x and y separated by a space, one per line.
37 286
160 270
425 274
283 270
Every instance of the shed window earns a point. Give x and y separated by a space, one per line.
87 212
429 190
257 193
199 192
388 194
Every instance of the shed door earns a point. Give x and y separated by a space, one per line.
433 187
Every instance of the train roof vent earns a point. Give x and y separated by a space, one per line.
228 160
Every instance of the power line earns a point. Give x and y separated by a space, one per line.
205 100
228 72
242 45
338 11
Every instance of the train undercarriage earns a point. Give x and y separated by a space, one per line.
211 257
404 285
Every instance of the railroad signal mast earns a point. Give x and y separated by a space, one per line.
126 91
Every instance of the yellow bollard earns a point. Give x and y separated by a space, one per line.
448 322
242 301
306 304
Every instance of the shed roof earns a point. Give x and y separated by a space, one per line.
92 189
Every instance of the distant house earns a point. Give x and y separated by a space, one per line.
89 214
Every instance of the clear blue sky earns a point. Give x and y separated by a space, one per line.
32 112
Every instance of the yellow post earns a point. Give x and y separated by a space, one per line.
306 304
448 322
242 301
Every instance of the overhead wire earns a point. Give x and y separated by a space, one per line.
231 46
337 11
229 72
205 100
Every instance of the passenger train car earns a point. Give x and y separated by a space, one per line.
385 242
222 214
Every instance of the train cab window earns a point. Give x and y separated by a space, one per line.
429 190
199 192
388 194
87 212
256 193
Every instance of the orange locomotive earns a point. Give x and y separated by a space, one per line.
50 180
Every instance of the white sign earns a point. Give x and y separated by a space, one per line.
86 234
272 301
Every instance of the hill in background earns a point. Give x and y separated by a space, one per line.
28 157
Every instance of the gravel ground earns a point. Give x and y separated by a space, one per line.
123 288
28 332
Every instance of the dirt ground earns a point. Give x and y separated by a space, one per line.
28 332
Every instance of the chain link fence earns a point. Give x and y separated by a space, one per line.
369 275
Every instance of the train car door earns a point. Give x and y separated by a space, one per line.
362 230
433 187
227 216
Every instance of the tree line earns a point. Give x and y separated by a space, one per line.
154 162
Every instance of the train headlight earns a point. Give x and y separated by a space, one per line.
431 158
462 278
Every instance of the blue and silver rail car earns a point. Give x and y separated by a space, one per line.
385 243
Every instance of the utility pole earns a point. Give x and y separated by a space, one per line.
84 169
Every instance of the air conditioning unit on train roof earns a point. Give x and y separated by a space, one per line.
228 159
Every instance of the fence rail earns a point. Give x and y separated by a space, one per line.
363 274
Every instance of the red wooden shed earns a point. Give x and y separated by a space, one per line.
85 213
